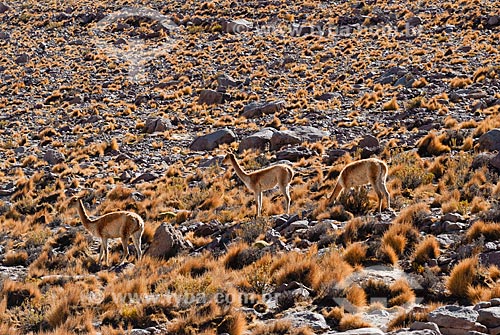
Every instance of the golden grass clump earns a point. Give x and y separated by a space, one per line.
355 253
352 321
391 105
401 293
356 296
462 277
489 230
427 249
432 144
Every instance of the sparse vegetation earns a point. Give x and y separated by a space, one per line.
111 110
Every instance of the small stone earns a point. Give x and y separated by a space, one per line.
413 21
237 26
490 141
213 140
22 59
255 109
158 124
210 97
53 157
3 8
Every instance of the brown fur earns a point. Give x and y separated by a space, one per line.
365 171
120 224
264 179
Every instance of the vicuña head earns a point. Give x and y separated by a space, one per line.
119 224
365 171
264 179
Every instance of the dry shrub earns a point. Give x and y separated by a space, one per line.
16 293
355 253
462 276
15 258
400 237
414 214
401 293
197 266
356 296
355 230
427 249
388 255
303 270
335 270
489 230
278 327
240 255
478 205
391 105
432 144
477 293
350 321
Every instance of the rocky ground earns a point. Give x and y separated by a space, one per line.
133 105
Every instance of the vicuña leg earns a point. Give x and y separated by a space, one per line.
259 202
286 192
124 240
336 191
104 251
136 238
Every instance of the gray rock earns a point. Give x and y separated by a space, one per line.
490 317
310 134
225 80
256 109
210 97
359 331
490 258
213 140
258 141
283 138
139 332
53 157
415 332
418 325
482 304
455 318
145 177
490 141
294 154
495 162
495 302
237 26
369 141
154 125
453 217
315 321
493 20
167 242
22 59
3 8
413 21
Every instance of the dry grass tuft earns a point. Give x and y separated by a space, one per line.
355 253
351 321
432 145
356 296
427 249
462 277
489 230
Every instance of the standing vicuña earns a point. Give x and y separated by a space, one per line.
365 171
264 179
120 224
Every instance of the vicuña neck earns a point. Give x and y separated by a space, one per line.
239 171
86 221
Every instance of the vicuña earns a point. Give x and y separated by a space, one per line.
365 171
264 179
119 224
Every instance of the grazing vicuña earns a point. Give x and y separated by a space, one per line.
365 171
264 179
119 224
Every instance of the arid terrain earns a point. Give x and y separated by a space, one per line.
132 105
